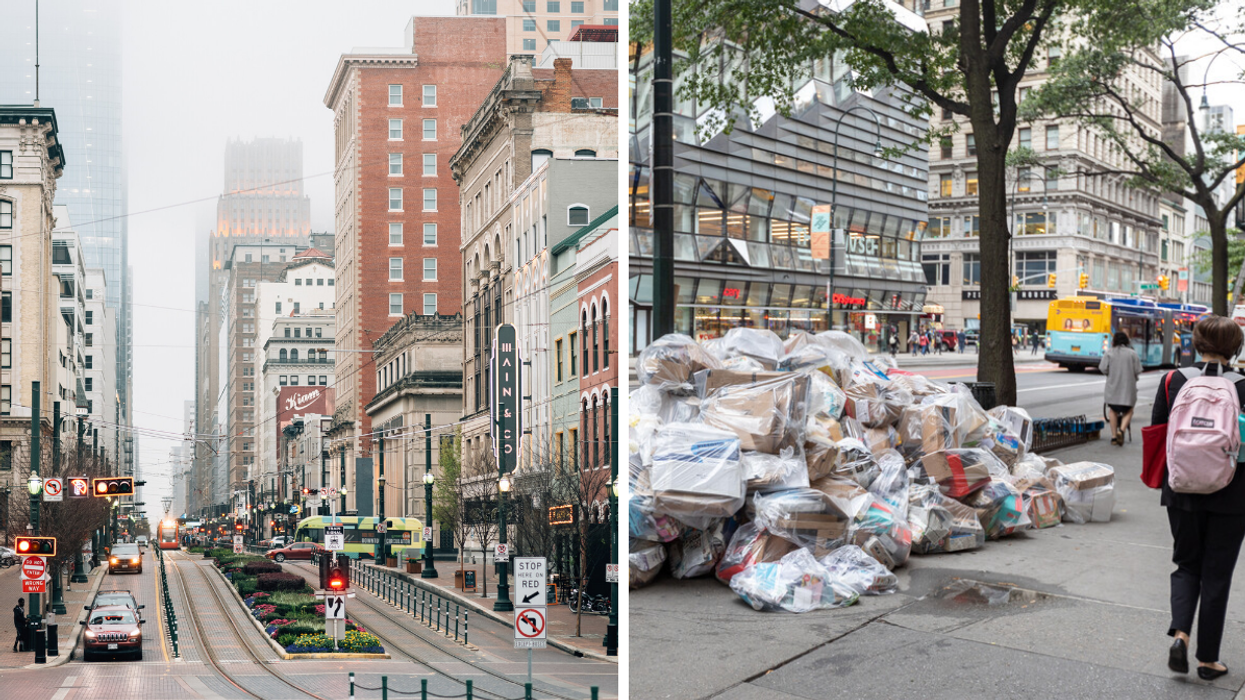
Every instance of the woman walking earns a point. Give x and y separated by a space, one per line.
1207 529
1121 367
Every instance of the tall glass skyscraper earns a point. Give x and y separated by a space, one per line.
80 77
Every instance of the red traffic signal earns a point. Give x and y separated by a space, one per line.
35 546
337 579
113 486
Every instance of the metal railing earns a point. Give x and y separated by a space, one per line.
170 615
428 607
1054 433
423 693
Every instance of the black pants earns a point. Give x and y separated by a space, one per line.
1204 552
20 643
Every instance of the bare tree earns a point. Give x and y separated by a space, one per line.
592 495
448 504
479 491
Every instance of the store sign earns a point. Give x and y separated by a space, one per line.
861 244
1022 295
561 515
848 301
507 413
731 293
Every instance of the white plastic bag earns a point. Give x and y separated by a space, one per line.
796 583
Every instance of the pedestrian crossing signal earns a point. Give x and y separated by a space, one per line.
113 486
1084 280
35 546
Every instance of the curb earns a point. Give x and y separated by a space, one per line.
463 600
65 658
277 647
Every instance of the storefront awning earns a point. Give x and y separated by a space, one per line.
933 309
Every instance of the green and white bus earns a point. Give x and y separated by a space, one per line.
361 537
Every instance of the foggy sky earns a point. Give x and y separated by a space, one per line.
195 76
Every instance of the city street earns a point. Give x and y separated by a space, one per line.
1091 619
223 656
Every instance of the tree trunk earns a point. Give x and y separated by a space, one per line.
994 363
1219 263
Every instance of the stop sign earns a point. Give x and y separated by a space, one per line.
34 568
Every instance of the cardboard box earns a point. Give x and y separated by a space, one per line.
766 416
710 380
1083 476
1043 506
821 456
958 472
937 429
823 531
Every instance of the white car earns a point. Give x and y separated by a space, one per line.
141 541
278 542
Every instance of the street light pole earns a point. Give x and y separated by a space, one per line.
503 603
611 630
662 196
834 193
36 487
381 537
430 568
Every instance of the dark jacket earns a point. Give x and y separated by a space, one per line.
19 617
1230 499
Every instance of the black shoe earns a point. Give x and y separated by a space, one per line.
1178 657
1207 673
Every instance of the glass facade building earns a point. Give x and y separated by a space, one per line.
743 208
80 77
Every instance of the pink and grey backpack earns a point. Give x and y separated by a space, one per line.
1203 437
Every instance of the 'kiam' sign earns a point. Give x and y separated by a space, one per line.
507 423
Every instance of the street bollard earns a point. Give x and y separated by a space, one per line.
423 689
384 688
456 614
465 627
41 649
352 685
53 640
595 692
527 691
439 614
469 694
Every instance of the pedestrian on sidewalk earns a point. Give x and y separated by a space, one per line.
1036 341
912 342
1207 529
959 340
1122 367
19 621
893 341
924 341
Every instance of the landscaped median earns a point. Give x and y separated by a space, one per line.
283 605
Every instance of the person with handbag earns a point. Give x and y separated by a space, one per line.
1121 367
1192 453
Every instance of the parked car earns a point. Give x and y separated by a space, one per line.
972 336
296 550
279 541
8 557
141 541
125 557
114 598
112 629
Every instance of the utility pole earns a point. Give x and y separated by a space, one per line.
343 491
430 568
663 172
324 472
58 595
611 630
381 537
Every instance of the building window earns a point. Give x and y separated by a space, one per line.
553 6
90 340
1053 54
529 5
529 44
6 261
284 380
395 234
430 269
944 185
937 269
6 214
430 199
293 380
1023 176
395 199
972 225
6 165
395 163
430 129
553 25
324 380
945 145
430 164
1033 268
1026 138
1052 178
1052 137
970 184
430 95
570 344
430 304
395 269
483 7
972 269
89 360
605 334
1032 223
585 152
395 129
395 95
6 307
577 215
278 308
89 318
529 25
430 234
298 281
557 350
577 8
970 145
539 156
610 6
6 400
395 304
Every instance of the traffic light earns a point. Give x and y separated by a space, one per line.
1050 280
337 579
1084 280
113 486
1015 280
237 526
1163 282
306 492
36 546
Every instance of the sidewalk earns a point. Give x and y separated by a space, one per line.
561 620
910 361
68 630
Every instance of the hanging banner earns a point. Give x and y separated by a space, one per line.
506 405
821 232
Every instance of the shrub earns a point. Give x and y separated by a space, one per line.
311 643
285 639
303 627
360 642
280 582
255 568
261 610
293 600
244 584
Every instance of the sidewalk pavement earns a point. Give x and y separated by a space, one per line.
69 632
910 361
561 620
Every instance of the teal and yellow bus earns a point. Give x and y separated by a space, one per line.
361 538
1081 328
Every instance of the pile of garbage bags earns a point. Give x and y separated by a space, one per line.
801 474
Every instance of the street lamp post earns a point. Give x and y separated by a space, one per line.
503 603
35 485
834 192
343 490
430 568
611 630
381 537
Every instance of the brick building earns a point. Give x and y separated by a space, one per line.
531 25
397 118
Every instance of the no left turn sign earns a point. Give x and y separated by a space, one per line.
529 623
53 489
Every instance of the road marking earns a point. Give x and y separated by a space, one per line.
1061 386
198 686
65 688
